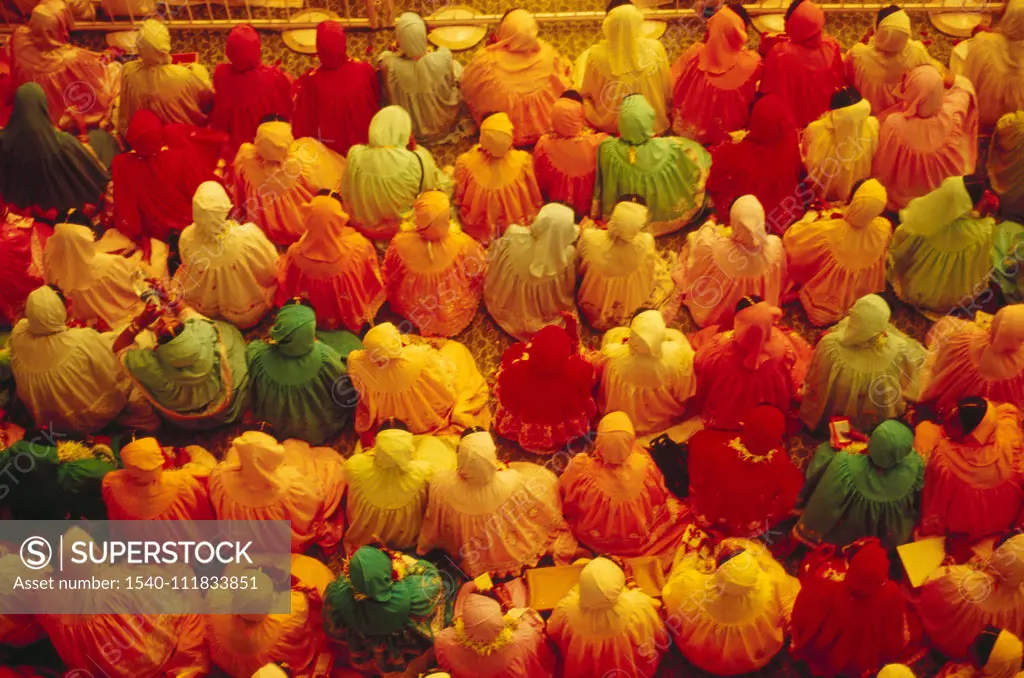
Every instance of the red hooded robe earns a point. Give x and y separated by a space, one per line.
247 90
545 391
154 184
765 164
335 102
853 624
807 68
744 484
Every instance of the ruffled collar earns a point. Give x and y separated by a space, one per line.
748 456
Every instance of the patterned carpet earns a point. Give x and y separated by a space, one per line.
483 337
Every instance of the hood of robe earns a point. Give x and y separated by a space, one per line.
294 330
482 618
331 45
145 133
243 48
154 43
393 448
627 220
45 312
636 119
477 458
568 117
187 350
890 443
210 208
273 140
496 133
615 438
601 584
867 319
805 24
391 126
867 204
411 35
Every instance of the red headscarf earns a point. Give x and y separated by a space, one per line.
805 24
335 102
154 184
771 125
246 90
568 118
740 169
546 380
869 570
243 48
754 333
763 429
145 133
566 160
331 45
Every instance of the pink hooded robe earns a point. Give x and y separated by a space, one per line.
928 137
966 359
755 363
615 499
261 479
719 265
77 82
715 82
524 651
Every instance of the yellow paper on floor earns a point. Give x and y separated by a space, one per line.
647 574
921 558
983 320
548 585
985 548
483 582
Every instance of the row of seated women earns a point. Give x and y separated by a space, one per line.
728 605
915 127
834 255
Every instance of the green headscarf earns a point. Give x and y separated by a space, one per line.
190 353
636 119
867 319
368 602
41 166
370 574
890 444
294 330
300 385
